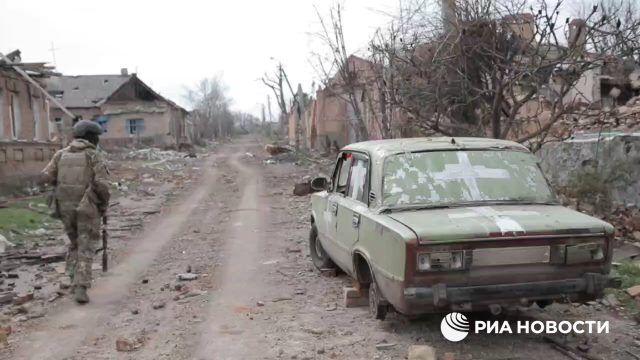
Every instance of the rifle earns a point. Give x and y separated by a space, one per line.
105 238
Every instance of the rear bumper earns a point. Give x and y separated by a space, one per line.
441 296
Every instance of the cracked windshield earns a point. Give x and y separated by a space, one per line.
450 177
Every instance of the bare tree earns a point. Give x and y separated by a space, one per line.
276 83
337 70
211 115
496 68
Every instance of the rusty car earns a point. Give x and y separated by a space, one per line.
427 225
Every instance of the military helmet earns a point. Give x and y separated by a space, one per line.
86 127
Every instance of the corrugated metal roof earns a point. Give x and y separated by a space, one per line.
85 90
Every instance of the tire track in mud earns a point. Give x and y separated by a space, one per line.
228 334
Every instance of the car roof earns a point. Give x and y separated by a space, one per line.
383 148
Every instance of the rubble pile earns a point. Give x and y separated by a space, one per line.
151 154
625 118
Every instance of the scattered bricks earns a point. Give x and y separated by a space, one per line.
124 345
23 299
422 352
634 291
353 298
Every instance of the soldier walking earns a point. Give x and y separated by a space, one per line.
81 199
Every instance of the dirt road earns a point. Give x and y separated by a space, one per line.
257 295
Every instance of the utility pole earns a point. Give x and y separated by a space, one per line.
53 54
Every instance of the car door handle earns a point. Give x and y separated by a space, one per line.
334 208
355 220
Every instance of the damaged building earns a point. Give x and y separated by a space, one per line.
27 138
130 112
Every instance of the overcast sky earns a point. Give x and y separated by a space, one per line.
173 44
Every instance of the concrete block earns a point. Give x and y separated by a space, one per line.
354 298
422 352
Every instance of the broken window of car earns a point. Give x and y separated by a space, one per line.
341 175
358 179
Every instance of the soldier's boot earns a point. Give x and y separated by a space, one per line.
80 294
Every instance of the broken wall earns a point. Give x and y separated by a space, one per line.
25 146
616 158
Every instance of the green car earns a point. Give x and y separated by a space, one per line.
438 224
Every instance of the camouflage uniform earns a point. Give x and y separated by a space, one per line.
81 199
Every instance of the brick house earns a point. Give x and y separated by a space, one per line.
328 119
130 112
27 138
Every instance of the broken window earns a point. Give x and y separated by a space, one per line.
135 126
358 180
14 115
341 173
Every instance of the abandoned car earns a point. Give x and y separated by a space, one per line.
437 224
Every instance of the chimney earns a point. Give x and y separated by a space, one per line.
449 21
577 35
124 72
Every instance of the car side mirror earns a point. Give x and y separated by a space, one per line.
320 184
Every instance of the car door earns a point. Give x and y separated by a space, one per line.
339 185
350 208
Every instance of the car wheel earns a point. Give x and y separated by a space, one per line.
377 306
320 258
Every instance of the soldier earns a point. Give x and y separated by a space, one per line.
81 198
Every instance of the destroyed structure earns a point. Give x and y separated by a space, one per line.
130 111
604 98
27 138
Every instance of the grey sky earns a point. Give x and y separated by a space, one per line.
172 44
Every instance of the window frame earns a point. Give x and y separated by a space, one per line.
336 172
337 169
365 187
137 124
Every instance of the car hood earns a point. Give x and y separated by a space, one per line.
473 222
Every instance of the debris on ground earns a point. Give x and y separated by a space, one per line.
421 352
158 305
352 297
187 277
276 149
384 346
5 331
126 345
634 291
23 299
5 244
7 297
